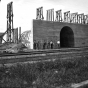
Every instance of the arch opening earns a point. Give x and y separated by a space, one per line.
66 37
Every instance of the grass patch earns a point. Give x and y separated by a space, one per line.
44 74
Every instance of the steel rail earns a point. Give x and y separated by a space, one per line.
43 56
31 52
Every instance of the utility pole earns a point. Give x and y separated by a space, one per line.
10 22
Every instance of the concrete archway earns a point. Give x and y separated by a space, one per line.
66 37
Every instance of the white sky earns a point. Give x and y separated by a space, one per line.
25 10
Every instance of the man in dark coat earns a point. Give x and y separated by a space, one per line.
51 45
35 45
44 45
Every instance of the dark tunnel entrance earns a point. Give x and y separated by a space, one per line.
66 37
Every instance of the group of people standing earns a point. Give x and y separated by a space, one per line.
45 45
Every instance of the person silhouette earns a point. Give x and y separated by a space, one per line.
51 45
44 45
35 44
58 44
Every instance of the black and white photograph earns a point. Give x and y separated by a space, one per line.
43 43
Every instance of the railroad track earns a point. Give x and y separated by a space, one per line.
44 55
31 52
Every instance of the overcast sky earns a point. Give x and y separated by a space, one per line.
25 10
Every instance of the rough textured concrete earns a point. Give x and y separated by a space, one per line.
50 31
